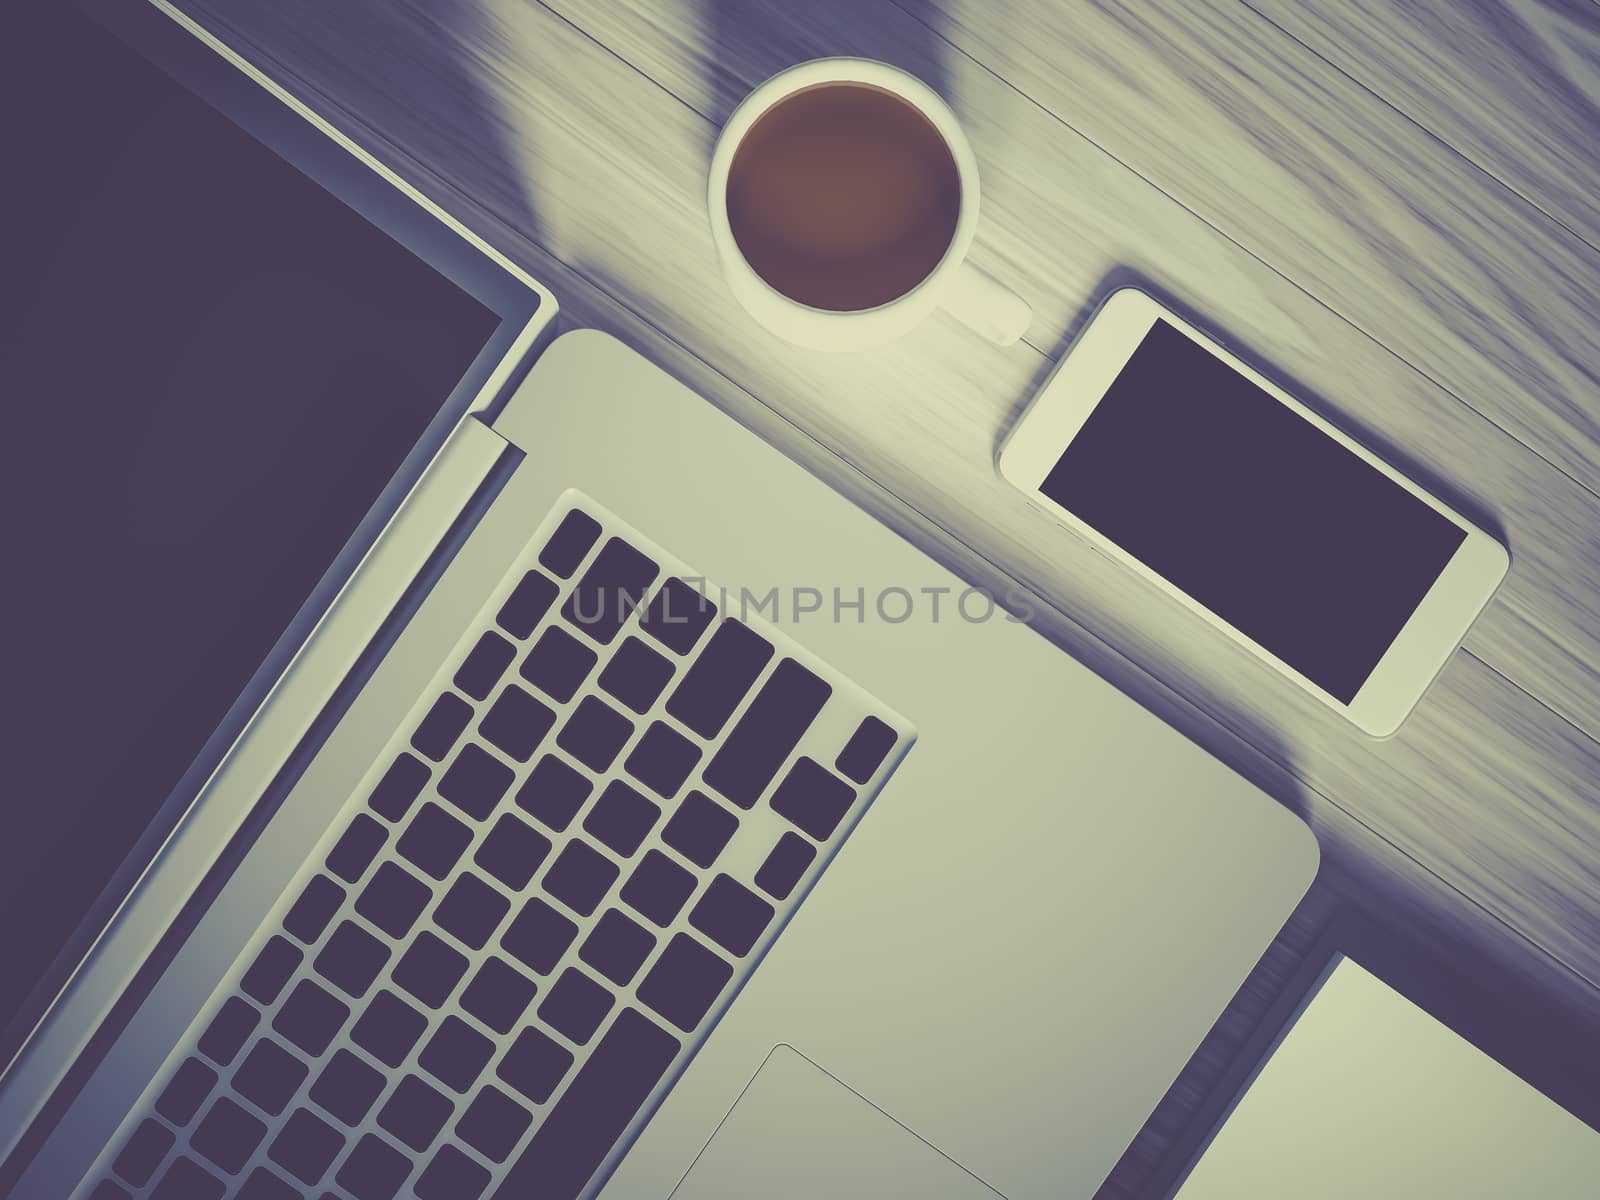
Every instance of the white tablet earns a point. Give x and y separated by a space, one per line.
1176 459
1368 1095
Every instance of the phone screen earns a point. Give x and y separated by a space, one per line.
1254 512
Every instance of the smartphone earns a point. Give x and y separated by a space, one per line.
1171 456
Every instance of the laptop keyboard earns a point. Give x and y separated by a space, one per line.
567 863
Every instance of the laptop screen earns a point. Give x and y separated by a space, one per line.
209 369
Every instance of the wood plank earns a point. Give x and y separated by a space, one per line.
617 172
1543 631
1326 183
1512 85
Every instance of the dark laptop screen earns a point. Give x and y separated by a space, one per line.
209 369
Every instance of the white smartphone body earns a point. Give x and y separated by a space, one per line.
1173 457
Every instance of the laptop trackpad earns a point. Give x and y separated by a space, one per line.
797 1133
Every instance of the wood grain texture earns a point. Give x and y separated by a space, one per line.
1512 85
1544 631
577 142
1328 184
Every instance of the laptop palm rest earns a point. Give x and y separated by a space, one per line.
798 1133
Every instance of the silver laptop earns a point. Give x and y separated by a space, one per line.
619 816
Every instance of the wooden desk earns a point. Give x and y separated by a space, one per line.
1401 223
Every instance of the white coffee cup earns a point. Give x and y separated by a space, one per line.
953 284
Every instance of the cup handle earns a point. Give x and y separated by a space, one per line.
987 306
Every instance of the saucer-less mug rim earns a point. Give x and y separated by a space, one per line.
843 70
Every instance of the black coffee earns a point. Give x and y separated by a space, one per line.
843 197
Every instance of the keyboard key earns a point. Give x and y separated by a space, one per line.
617 947
512 852
635 675
484 665
813 798
558 664
731 915
715 683
658 888
441 727
575 1006
433 841
539 936
106 1190
476 779
347 1088
565 550
527 604
353 853
188 1180
388 1029
415 1112
310 914
226 1034
144 1152
393 900
274 963
430 969
785 865
493 1124
594 734
515 726
227 1136
351 959
186 1091
580 877
451 1176
471 911
699 829
535 1065
553 793
677 615
662 760
306 1147
769 729
456 1054
374 1171
310 1018
621 818
684 982
269 1077
864 753
401 784
580 1130
264 1185
609 590
498 995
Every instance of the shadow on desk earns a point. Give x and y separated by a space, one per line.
424 69
795 33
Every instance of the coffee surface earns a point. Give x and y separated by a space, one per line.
843 197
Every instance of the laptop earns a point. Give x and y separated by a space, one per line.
608 814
